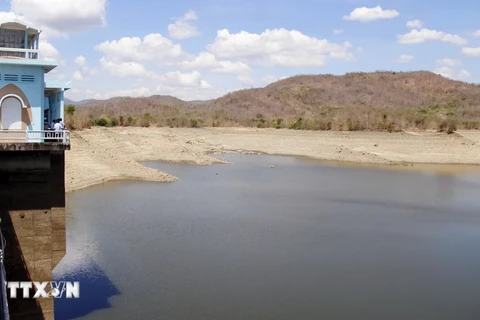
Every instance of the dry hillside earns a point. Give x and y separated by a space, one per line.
355 101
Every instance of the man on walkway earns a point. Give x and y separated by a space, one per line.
58 128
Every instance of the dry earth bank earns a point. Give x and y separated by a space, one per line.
103 154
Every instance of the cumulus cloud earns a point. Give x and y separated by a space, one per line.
405 58
470 51
80 61
449 62
179 79
365 14
126 69
183 28
83 70
419 36
451 73
338 31
62 17
151 47
278 47
47 51
206 60
476 33
77 75
415 24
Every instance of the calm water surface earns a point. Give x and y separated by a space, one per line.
297 241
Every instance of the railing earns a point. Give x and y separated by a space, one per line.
4 315
36 136
19 52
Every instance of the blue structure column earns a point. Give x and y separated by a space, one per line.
62 104
26 42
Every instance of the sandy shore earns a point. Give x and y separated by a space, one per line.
103 154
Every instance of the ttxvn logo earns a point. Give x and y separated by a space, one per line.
46 289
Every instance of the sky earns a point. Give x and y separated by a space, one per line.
198 50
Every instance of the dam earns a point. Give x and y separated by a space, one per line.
33 141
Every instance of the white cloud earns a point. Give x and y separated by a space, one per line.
83 70
77 75
449 62
62 17
476 33
278 47
365 14
405 58
80 61
183 28
419 36
338 31
415 24
178 79
47 50
470 51
151 47
206 60
451 73
126 69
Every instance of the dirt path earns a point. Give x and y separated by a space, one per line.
103 154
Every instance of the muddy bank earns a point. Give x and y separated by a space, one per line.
104 154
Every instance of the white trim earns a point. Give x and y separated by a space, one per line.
11 95
18 50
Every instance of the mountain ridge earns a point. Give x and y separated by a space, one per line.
353 100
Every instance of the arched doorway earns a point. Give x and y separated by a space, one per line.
11 114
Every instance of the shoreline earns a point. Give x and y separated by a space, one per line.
100 155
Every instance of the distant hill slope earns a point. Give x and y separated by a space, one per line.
300 95
357 101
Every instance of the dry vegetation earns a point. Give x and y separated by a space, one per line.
380 101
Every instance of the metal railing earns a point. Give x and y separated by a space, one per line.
35 136
4 315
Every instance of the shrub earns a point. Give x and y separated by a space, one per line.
101 122
70 110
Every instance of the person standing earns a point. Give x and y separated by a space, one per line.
58 129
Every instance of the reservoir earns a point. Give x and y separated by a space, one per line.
270 237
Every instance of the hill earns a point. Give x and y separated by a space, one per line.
354 101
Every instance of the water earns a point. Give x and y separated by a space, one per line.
297 241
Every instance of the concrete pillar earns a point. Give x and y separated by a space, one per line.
26 42
32 209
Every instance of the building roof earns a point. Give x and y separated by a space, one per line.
17 24
56 86
48 65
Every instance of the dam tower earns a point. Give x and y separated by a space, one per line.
32 170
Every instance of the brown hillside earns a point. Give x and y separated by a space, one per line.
300 94
355 101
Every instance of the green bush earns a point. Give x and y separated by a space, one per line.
70 110
100 122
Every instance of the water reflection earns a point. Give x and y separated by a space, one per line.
95 290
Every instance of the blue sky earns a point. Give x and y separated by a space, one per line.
204 49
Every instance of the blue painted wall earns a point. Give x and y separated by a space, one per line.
55 102
33 90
